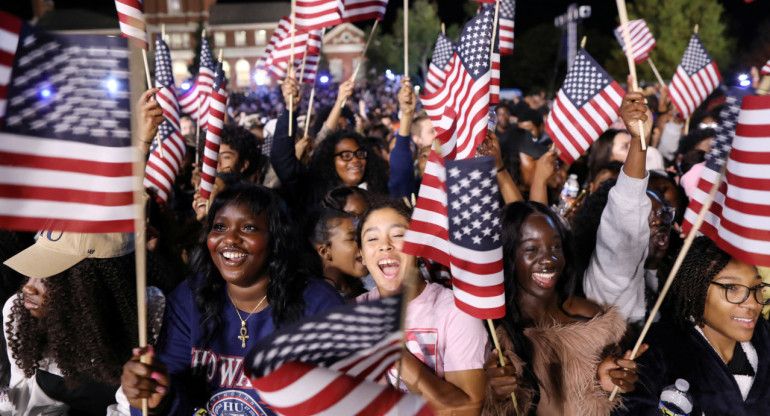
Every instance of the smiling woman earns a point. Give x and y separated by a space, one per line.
248 285
718 341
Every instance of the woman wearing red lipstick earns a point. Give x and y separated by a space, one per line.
717 339
446 345
558 343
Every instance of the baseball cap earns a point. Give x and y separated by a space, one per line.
57 251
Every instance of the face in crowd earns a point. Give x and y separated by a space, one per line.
350 162
539 258
382 238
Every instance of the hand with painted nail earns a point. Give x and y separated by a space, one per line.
619 372
144 381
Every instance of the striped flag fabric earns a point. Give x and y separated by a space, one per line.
642 40
695 78
467 88
587 103
357 10
739 218
507 13
284 27
216 122
161 171
303 40
437 70
132 23
65 141
195 100
328 363
278 69
456 222
765 69
316 14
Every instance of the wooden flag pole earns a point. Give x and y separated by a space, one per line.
494 33
406 38
137 172
291 68
443 29
502 358
361 60
312 92
677 264
655 71
630 57
302 67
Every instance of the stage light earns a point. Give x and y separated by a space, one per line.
324 79
260 77
744 80
45 92
389 75
185 85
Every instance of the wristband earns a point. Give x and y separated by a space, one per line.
501 169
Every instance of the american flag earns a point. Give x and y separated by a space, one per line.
195 101
739 218
467 88
507 12
357 10
216 121
310 40
65 140
328 364
437 70
587 103
456 222
642 41
695 78
766 69
317 14
284 27
161 172
494 87
278 69
132 23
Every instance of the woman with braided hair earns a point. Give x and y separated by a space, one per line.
716 340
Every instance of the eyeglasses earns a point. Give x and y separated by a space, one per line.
347 155
738 294
665 213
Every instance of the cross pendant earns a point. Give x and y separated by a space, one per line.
243 337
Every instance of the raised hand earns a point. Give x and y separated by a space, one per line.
144 381
619 372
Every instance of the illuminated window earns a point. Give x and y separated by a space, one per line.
240 38
226 69
174 6
242 73
260 36
179 68
220 39
176 40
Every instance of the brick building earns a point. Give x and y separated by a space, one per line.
342 47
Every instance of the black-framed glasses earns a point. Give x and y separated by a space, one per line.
347 155
665 213
737 294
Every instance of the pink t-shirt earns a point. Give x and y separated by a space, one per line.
438 333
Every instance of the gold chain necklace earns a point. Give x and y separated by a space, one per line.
244 332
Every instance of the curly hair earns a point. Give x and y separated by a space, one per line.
89 325
378 202
687 302
323 170
287 281
513 217
246 144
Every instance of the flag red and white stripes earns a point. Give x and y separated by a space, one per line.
216 122
766 69
132 23
310 40
695 78
317 14
56 173
642 40
284 27
437 70
467 88
739 218
278 69
357 10
587 103
195 101
299 389
507 11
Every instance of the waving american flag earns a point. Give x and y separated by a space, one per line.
195 101
587 103
437 70
132 23
642 40
216 122
695 78
65 140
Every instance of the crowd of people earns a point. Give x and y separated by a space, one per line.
298 224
